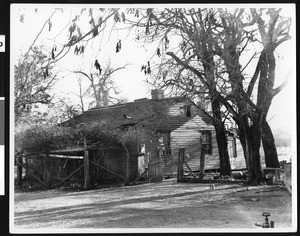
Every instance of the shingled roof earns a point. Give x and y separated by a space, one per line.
141 111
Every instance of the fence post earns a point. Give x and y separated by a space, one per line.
287 176
127 166
160 171
180 171
86 166
19 168
47 170
202 160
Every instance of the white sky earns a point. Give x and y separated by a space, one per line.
132 81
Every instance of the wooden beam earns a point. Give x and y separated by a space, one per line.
70 175
67 150
191 172
64 156
121 177
137 179
34 176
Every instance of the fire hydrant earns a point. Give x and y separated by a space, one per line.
266 224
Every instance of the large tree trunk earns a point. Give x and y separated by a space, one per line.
225 168
254 140
265 97
250 138
209 68
268 141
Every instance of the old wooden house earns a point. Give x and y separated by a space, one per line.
163 126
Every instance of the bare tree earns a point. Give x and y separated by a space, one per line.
102 87
33 74
252 109
194 54
273 33
212 34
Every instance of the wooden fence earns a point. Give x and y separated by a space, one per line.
154 170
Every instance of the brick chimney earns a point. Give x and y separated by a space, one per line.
157 94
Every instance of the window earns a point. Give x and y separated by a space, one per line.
206 141
232 147
188 111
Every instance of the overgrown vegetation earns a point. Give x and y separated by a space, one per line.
41 138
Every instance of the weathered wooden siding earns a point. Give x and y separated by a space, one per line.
187 136
239 162
175 117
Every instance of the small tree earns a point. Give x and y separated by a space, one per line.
33 81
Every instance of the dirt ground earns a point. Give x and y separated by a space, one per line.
163 205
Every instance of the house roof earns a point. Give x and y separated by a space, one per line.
155 112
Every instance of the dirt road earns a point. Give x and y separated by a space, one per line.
167 204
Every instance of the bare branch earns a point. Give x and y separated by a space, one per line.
254 77
25 56
203 80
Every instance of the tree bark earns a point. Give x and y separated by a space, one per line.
250 138
225 168
255 142
209 68
268 142
265 97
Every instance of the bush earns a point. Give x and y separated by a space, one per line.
41 138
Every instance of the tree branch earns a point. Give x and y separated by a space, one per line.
254 77
39 34
203 80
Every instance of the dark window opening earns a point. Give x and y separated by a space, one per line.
188 111
206 141
232 147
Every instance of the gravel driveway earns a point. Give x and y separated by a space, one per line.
165 206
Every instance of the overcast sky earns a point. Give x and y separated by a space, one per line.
130 81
